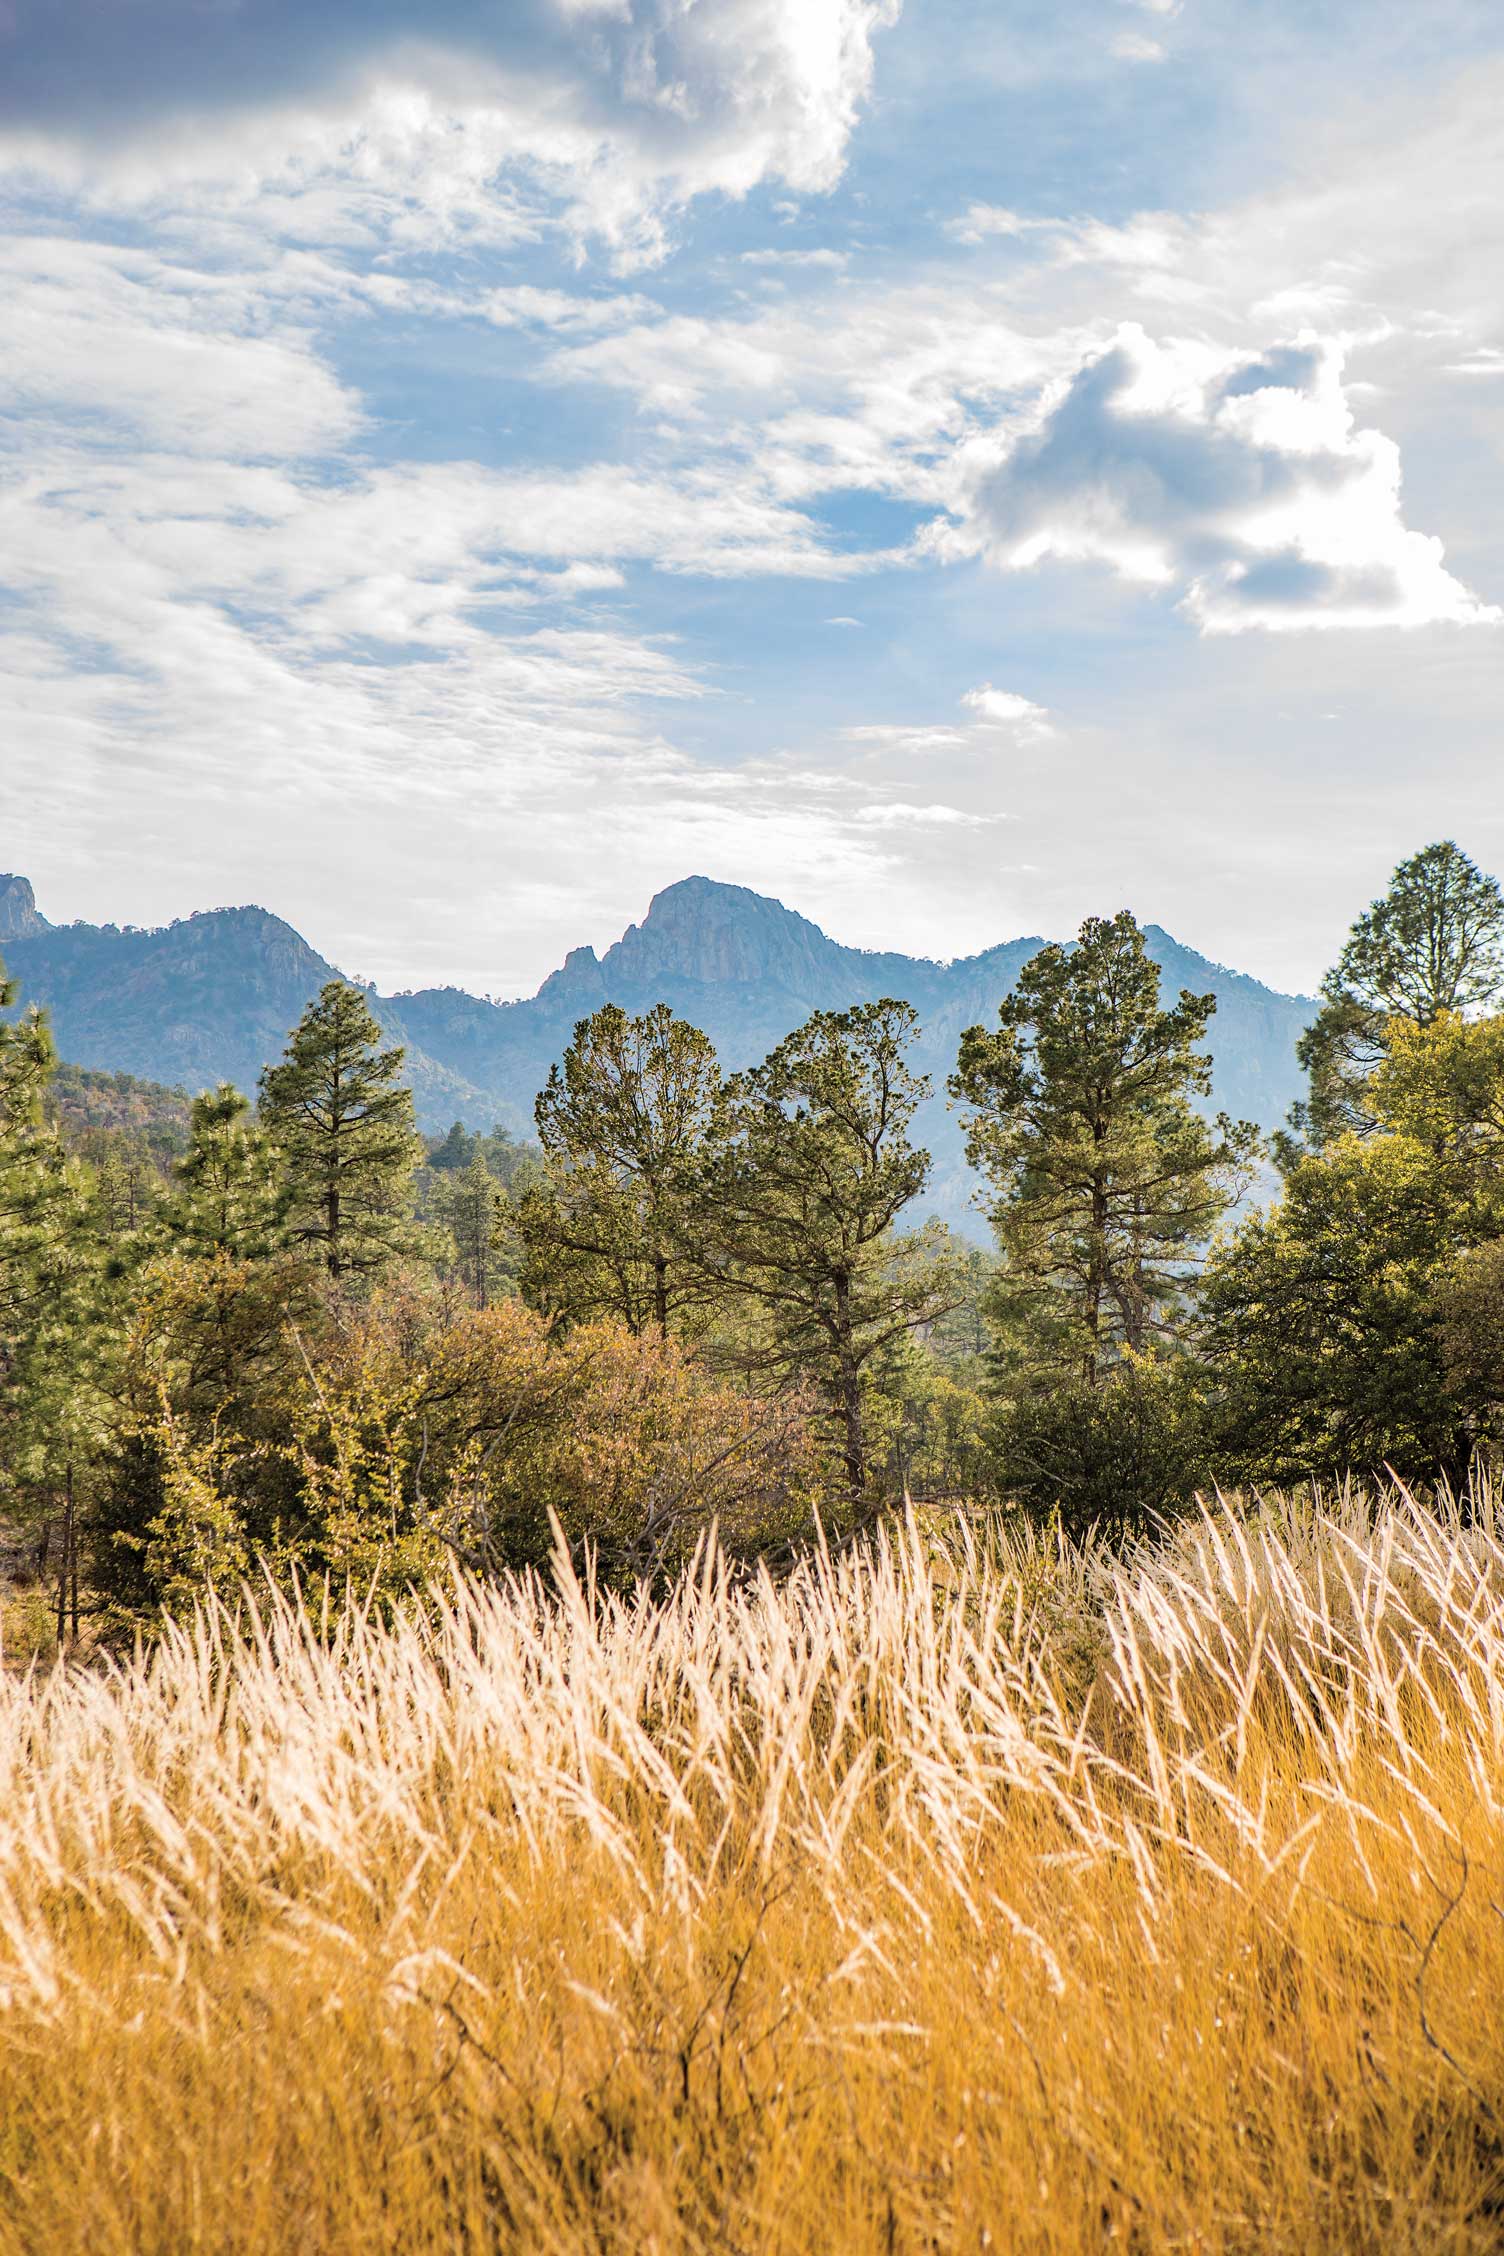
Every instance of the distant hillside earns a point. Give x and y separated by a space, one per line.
209 998
85 1100
212 997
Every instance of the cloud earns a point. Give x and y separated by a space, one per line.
459 115
979 221
832 261
1483 360
906 739
129 345
900 814
875 398
1000 717
219 679
1008 710
1238 482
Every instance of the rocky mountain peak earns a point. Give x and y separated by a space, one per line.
576 984
20 918
720 935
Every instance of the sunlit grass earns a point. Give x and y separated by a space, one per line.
945 1895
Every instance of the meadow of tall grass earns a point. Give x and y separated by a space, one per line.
954 1892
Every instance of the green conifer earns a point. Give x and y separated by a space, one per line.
341 1120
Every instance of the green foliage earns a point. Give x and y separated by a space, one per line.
929 1424
623 1123
227 1197
400 1440
1106 1180
1468 1304
1108 1455
214 1350
808 1170
1322 1324
36 1186
1433 945
296 1342
342 1122
56 1309
960 1337
1349 1328
472 1206
456 1150
1443 1084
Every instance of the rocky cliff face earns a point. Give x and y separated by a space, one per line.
724 936
701 934
20 918
213 997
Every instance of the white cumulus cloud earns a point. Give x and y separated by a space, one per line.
1240 481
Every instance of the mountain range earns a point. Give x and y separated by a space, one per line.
213 996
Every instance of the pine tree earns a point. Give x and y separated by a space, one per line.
1433 944
42 1193
54 1304
126 1186
472 1206
342 1124
622 1122
456 1150
810 1169
1106 1179
227 1199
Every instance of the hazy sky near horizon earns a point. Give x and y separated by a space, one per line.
957 465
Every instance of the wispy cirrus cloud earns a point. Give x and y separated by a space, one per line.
1001 720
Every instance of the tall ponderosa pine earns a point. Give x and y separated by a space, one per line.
811 1168
53 1303
33 1177
341 1120
1433 944
1105 1176
226 1197
622 1122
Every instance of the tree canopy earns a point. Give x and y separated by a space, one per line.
1105 1179
1433 944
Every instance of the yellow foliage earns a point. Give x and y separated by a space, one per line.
400 1436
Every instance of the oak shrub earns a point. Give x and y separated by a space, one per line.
390 1435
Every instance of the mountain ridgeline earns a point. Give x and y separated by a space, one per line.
213 996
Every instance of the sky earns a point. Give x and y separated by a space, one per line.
957 465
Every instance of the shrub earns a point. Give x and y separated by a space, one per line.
397 1438
1109 1456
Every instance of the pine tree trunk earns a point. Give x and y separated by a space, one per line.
72 1554
65 1563
850 1390
1096 1281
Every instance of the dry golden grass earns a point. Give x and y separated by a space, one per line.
937 1898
